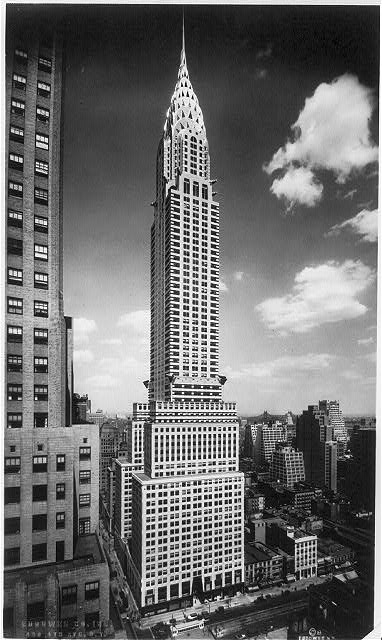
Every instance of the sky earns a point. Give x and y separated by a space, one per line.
289 98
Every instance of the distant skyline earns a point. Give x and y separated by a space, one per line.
289 98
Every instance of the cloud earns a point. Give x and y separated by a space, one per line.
285 364
238 275
111 341
321 294
297 186
101 381
260 74
371 357
83 356
350 374
365 341
331 133
82 327
363 224
222 286
137 321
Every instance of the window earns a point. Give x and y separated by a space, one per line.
15 363
41 336
85 477
42 114
44 64
60 551
40 394
41 224
39 492
60 462
12 465
42 142
186 185
15 305
43 89
195 189
204 192
41 196
60 491
40 365
15 247
91 590
41 168
14 334
60 520
84 500
85 453
18 107
92 620
15 392
21 56
69 594
11 556
16 134
40 464
40 420
15 189
15 219
19 81
40 281
15 276
36 611
15 420
40 309
41 252
16 161
39 552
84 526
11 495
39 522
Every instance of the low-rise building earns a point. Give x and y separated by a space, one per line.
287 466
298 543
262 565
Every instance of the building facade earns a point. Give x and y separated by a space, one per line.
267 436
43 495
287 466
187 506
314 437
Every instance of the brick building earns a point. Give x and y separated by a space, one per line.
50 491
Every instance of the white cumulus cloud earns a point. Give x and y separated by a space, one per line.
331 133
83 356
102 381
365 341
82 328
238 275
280 366
137 321
297 186
363 224
111 341
321 294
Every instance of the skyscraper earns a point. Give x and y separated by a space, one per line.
187 506
314 437
50 519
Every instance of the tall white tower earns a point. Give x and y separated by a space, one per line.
187 506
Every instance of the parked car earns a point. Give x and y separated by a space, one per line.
191 616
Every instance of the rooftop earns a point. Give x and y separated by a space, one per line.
258 552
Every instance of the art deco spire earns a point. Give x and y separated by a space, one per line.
184 103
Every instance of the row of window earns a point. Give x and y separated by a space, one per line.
43 63
19 81
16 306
15 247
16 161
17 134
15 276
15 392
18 109
39 523
15 219
16 189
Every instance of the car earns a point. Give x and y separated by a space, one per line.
192 616
220 609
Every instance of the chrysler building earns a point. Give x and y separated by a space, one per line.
187 504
